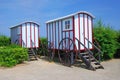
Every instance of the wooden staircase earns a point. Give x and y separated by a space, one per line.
87 56
90 61
32 54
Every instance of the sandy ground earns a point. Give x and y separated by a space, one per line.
43 70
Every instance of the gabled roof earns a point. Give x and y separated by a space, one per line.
80 12
24 23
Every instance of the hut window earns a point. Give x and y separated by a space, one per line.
67 24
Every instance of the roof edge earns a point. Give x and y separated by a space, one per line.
70 16
24 23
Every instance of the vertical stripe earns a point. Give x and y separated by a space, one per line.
47 31
79 28
73 31
49 35
69 41
30 36
62 32
38 36
26 33
65 40
69 33
20 35
34 37
84 28
92 29
58 34
50 32
55 32
88 29
52 35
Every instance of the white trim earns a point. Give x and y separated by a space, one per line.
70 16
24 23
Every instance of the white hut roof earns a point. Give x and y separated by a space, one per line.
24 23
85 12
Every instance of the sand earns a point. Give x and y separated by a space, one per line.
44 70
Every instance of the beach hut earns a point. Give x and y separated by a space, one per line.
72 37
74 26
26 34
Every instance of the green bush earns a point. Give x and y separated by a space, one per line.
107 38
43 47
11 56
4 41
43 40
117 54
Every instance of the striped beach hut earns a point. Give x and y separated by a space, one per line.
26 34
78 25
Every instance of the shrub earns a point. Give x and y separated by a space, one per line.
117 54
106 37
43 47
11 56
4 41
43 40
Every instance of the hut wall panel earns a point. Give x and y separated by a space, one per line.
51 33
28 36
32 36
60 32
48 32
36 35
14 36
48 26
86 30
56 32
23 35
81 32
90 30
54 26
76 30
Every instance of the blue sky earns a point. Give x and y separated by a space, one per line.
13 12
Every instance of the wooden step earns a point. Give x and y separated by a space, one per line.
84 53
91 59
97 66
31 55
86 56
96 63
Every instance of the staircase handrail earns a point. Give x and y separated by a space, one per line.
99 51
94 45
90 52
